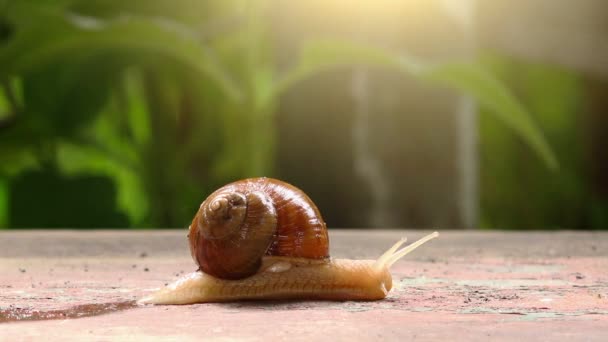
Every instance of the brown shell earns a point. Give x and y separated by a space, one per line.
245 220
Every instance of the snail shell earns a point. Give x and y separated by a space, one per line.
246 220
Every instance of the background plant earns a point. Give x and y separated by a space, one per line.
128 113
515 190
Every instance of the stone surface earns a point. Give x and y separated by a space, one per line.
465 285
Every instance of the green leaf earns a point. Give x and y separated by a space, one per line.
80 201
320 56
491 93
131 101
54 36
470 78
6 107
75 159
191 12
16 157
4 194
80 90
106 148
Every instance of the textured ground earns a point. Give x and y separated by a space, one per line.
464 285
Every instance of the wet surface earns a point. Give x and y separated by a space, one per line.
15 314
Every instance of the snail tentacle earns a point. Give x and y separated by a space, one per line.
379 264
406 250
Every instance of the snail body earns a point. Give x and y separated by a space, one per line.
261 238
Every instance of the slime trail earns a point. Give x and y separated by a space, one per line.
13 314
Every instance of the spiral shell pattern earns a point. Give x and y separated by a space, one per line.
243 221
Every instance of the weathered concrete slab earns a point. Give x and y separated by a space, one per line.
465 285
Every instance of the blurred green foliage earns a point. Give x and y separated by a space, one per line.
516 192
128 113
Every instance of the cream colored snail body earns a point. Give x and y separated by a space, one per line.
261 238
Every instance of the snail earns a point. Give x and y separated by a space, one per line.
261 238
